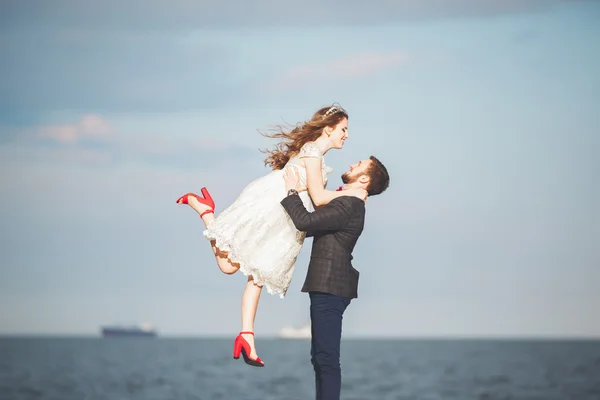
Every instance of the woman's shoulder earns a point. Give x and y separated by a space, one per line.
309 144
310 149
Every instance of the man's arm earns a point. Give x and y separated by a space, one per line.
331 217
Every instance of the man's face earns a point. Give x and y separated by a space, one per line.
356 171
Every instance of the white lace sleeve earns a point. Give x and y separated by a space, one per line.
310 149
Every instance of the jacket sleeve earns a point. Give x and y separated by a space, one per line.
331 217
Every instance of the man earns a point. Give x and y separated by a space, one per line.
331 281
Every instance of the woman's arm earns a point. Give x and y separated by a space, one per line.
314 182
331 217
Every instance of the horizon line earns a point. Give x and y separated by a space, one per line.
548 337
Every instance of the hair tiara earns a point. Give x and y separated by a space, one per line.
332 110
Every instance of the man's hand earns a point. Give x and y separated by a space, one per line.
291 178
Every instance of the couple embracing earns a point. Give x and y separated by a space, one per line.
262 233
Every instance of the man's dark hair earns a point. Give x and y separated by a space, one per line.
379 178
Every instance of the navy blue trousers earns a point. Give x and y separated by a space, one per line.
326 313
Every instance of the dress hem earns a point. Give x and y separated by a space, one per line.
222 244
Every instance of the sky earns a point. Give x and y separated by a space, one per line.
485 114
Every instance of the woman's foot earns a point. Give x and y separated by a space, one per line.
201 205
200 208
250 339
241 346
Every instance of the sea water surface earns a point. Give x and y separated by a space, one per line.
153 369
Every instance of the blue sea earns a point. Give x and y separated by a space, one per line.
152 369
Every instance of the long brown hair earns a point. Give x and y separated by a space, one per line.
292 141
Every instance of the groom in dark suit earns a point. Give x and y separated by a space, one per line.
331 281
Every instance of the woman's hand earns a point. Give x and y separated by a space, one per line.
292 179
360 193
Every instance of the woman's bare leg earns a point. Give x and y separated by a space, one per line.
252 291
225 265
250 300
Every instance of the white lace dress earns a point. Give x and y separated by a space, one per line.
256 231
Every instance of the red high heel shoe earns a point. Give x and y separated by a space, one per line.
207 200
240 345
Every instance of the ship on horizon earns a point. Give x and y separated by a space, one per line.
292 332
143 330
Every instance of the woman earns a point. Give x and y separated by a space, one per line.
254 234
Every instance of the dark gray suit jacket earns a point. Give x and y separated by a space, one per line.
336 228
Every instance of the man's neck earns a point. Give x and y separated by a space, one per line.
347 186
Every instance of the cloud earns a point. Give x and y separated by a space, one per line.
354 66
89 127
86 70
92 140
182 15
156 56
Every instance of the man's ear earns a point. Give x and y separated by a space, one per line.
364 179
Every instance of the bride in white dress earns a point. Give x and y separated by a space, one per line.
254 234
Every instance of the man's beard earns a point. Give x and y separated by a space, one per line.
348 178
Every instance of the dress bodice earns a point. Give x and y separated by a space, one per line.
309 149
